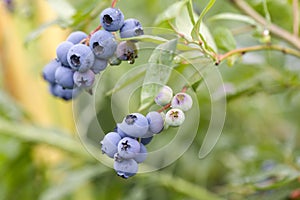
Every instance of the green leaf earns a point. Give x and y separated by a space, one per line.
234 17
158 72
196 30
171 12
147 38
191 11
224 38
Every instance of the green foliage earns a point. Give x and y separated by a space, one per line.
257 154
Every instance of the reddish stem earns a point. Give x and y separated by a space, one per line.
164 108
113 4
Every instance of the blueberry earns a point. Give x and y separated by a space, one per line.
126 168
99 65
174 117
121 133
131 28
62 52
128 148
64 77
109 144
141 155
49 71
182 101
146 140
63 93
156 122
111 19
134 125
80 57
103 44
164 96
84 79
76 37
127 51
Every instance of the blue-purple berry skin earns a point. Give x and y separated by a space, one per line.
80 57
146 140
182 101
131 28
64 77
142 155
103 44
63 93
84 79
49 71
156 122
62 52
76 37
121 133
135 125
111 19
126 168
99 65
128 148
109 144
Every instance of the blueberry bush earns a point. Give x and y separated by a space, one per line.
125 99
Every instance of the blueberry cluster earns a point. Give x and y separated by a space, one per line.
82 56
126 144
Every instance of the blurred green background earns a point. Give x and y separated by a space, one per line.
42 156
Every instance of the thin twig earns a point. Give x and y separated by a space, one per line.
276 30
295 18
244 50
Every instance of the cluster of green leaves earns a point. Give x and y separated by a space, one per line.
257 155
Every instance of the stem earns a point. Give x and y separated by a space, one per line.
164 108
296 18
276 30
244 50
113 4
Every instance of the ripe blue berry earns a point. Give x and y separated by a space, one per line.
146 140
156 122
62 52
128 147
164 96
126 168
80 57
111 19
127 51
134 125
109 144
49 71
142 155
121 133
84 79
63 93
103 44
99 65
174 117
64 77
76 37
182 101
131 28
